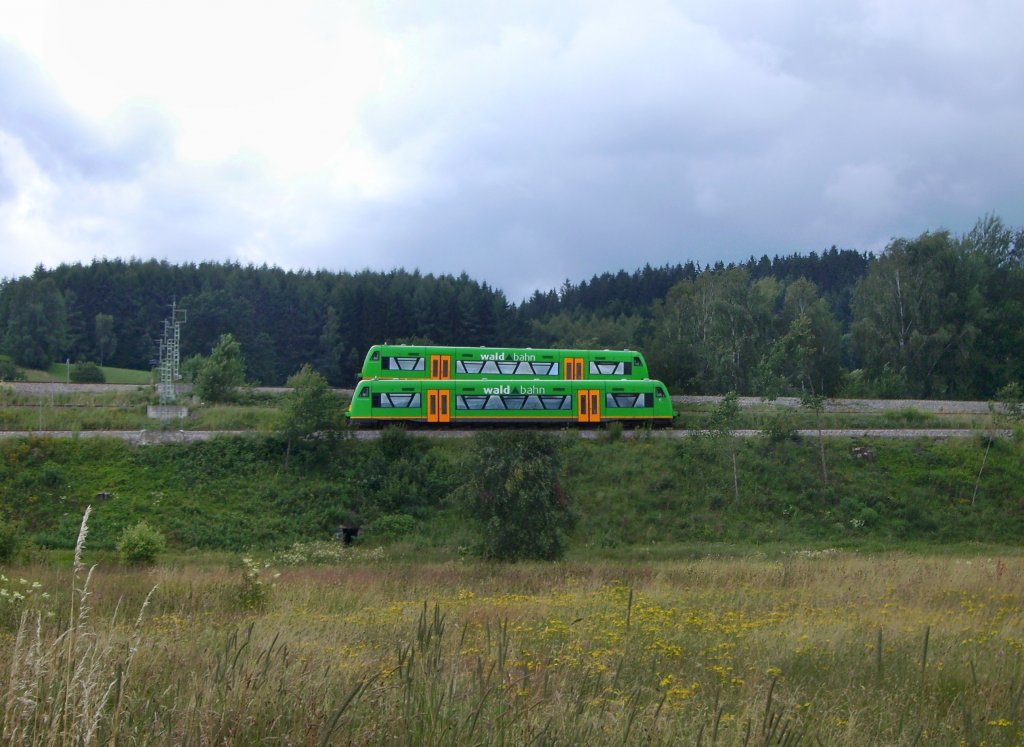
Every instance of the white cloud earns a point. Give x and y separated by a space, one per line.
521 142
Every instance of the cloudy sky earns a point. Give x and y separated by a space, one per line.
524 143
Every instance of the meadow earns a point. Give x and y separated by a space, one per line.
321 644
716 591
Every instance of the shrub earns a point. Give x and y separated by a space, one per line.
10 539
778 428
87 372
515 496
222 372
391 526
1011 397
9 371
140 544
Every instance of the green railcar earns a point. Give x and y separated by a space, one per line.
512 364
535 401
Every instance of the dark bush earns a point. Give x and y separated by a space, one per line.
87 372
515 496
9 371
11 539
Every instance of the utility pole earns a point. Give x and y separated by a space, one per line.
170 366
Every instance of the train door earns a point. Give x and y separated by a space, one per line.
439 406
573 368
440 366
588 403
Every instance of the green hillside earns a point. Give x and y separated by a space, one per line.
646 495
60 372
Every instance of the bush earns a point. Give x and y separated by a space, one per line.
140 544
10 539
515 496
222 372
87 372
9 371
390 527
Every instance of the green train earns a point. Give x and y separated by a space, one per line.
536 401
438 362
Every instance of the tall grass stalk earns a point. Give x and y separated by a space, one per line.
61 683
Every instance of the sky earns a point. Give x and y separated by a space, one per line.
524 143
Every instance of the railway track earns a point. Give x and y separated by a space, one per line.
939 407
849 406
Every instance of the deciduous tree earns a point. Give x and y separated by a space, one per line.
223 372
311 408
515 496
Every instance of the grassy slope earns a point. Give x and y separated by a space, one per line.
59 372
659 495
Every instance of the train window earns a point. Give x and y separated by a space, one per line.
620 400
533 403
637 362
630 399
555 402
606 368
364 392
404 364
375 356
494 403
470 402
394 399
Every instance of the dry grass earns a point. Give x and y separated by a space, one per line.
717 651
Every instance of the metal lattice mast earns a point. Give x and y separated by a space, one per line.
170 355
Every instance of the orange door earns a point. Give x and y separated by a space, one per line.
439 406
573 368
440 366
588 402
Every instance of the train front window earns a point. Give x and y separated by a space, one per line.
364 391
375 356
404 363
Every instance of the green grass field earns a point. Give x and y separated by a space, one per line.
59 372
809 648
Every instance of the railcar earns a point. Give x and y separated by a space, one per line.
513 364
534 401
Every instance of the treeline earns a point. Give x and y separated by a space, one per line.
938 315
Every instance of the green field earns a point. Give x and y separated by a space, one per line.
60 372
807 648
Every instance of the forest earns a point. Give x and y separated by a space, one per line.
934 316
